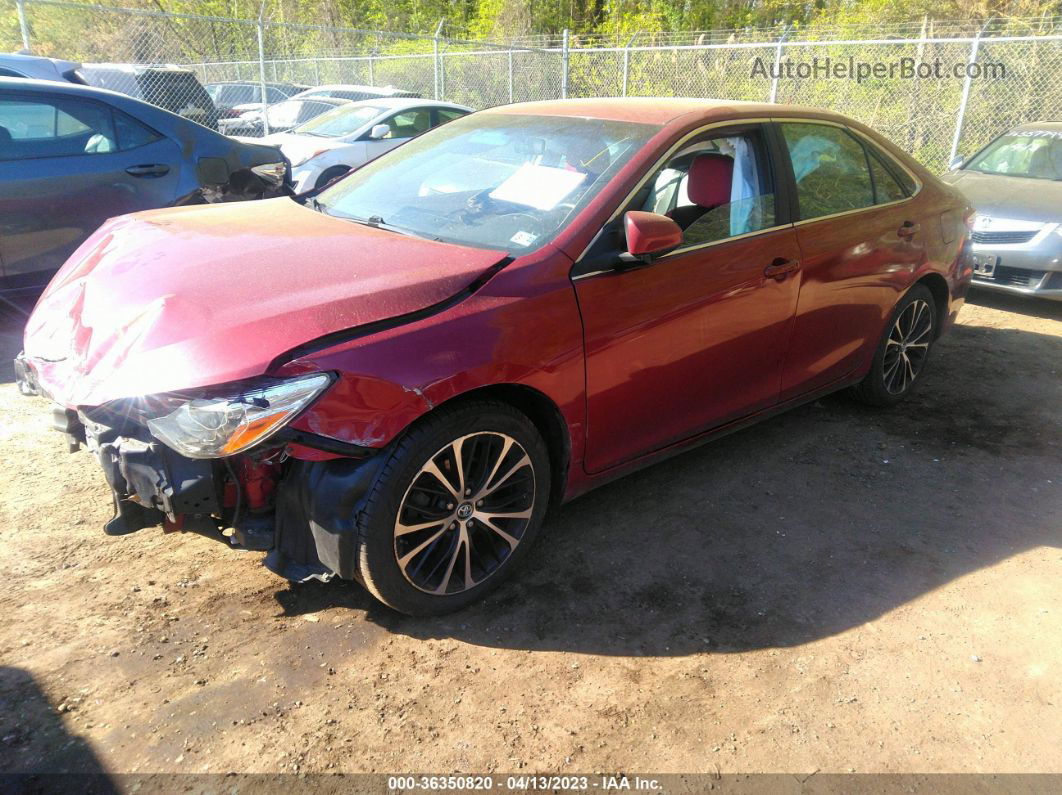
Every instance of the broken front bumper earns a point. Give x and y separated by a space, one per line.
304 514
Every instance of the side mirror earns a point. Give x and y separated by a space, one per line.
379 131
956 161
650 234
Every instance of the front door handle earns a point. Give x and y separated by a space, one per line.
908 229
780 268
151 170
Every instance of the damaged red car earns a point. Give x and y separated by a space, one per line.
392 380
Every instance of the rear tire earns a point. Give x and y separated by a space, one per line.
330 174
455 508
903 351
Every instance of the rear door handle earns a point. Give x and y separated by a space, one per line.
780 268
151 170
908 229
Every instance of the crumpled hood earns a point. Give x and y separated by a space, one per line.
1001 196
189 297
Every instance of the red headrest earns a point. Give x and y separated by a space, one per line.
709 181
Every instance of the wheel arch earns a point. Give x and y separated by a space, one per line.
543 413
938 288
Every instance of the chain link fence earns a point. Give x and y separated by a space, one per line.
975 81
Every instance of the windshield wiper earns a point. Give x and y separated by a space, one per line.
377 222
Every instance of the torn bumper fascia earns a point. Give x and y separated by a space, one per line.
25 378
311 532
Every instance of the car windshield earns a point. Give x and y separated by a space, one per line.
284 114
342 121
503 181
1036 154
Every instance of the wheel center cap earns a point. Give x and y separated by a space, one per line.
464 510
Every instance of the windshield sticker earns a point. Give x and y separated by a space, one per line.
1038 133
541 187
523 239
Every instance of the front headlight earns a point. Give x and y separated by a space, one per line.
223 425
309 157
272 172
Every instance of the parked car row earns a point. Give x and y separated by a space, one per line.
77 146
354 133
234 107
393 376
247 118
169 87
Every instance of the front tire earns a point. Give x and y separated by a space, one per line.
903 351
454 509
330 174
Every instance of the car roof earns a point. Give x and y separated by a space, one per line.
35 63
397 103
134 68
354 87
255 83
659 110
1052 126
337 101
25 57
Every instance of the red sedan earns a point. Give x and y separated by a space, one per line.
393 379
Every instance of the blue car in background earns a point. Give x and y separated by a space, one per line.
73 156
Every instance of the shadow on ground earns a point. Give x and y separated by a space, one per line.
1019 304
23 705
807 525
13 314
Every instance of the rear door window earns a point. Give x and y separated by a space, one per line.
409 123
886 188
60 127
444 115
131 133
830 167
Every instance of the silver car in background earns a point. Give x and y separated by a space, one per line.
1015 184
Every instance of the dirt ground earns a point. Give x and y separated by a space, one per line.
836 589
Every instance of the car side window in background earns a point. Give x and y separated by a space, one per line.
715 189
32 128
9 73
284 114
886 188
830 167
311 110
445 115
409 124
131 133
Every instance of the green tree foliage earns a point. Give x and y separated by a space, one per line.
507 18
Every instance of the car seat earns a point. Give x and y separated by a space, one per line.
708 187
